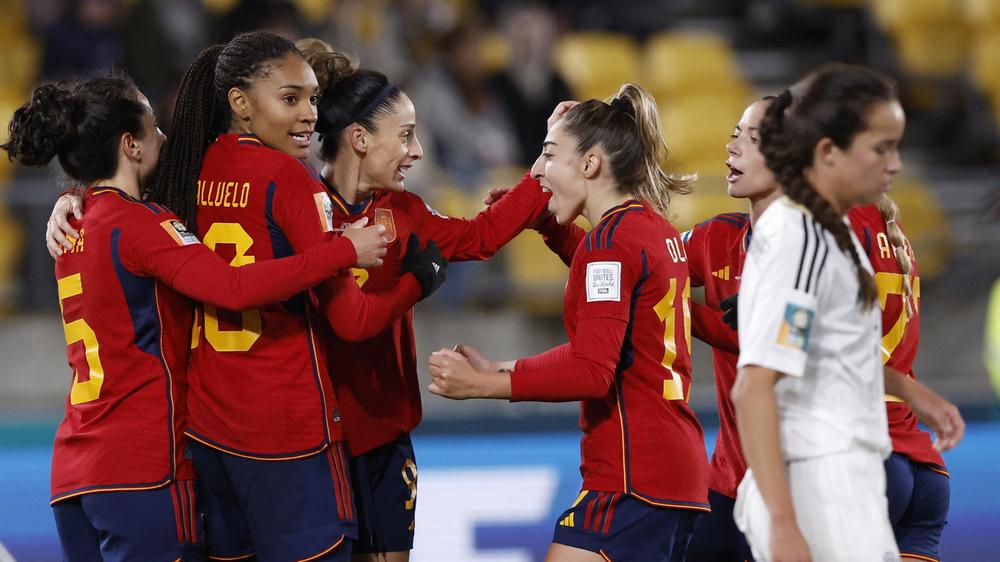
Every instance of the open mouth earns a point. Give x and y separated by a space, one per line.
302 139
402 171
734 173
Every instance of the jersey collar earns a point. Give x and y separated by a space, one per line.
104 189
338 199
626 206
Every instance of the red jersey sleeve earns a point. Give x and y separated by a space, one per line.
562 239
160 246
480 237
695 247
601 286
564 351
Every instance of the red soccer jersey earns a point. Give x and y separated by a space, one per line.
716 249
628 361
127 343
376 379
900 330
258 378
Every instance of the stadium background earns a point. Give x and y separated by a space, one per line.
484 76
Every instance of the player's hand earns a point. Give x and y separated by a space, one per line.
369 242
427 265
728 306
560 111
452 376
59 234
478 361
940 415
788 544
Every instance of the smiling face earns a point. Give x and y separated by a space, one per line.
280 106
559 170
392 148
748 174
864 171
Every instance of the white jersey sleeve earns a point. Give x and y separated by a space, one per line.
777 301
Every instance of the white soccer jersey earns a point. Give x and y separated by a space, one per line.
799 315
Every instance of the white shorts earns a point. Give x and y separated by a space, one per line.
840 508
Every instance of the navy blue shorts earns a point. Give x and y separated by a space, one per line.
155 525
716 537
384 481
621 528
279 510
919 495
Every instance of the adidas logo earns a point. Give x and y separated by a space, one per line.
567 521
722 273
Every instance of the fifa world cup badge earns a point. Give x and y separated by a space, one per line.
384 217
796 326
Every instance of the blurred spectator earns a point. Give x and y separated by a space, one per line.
276 16
529 88
83 39
464 127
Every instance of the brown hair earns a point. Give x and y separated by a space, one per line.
628 128
834 102
329 64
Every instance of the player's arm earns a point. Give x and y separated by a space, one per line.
940 415
355 315
163 248
480 237
757 421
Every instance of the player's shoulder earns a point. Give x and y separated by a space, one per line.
625 227
110 200
724 226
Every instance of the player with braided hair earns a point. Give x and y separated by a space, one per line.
810 385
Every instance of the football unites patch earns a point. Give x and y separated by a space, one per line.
179 232
796 326
604 281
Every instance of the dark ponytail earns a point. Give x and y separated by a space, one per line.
350 96
202 113
832 103
80 123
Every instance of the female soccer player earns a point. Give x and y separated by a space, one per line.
368 127
121 288
808 396
644 466
915 476
263 414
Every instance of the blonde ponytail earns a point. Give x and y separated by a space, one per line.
657 186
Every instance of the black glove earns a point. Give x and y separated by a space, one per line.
426 265
728 306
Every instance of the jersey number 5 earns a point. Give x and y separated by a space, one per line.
79 331
666 311
244 338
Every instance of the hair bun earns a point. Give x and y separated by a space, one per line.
45 126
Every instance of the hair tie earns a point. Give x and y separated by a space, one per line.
890 221
621 105
379 98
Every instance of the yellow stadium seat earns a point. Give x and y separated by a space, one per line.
494 52
896 14
19 64
315 11
684 63
595 65
697 130
537 275
933 51
219 6
985 60
925 223
12 234
981 14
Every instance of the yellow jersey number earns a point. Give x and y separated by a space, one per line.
666 311
79 331
893 284
244 338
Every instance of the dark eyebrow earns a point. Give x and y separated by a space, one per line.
753 128
547 143
298 87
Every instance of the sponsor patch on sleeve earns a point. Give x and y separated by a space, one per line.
325 209
604 281
796 326
179 232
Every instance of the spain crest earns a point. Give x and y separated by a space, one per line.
384 217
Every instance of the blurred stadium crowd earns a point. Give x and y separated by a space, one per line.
484 76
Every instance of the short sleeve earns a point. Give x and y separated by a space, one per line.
777 300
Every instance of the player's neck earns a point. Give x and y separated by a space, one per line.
345 177
602 195
125 180
759 205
